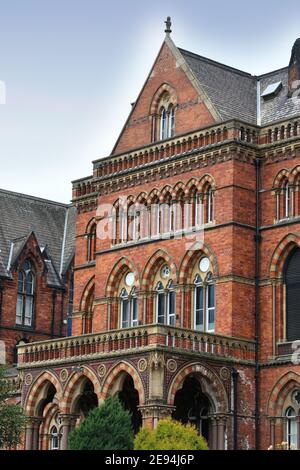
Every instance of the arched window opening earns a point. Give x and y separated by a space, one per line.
129 397
210 304
25 298
210 207
155 222
291 429
171 121
199 304
129 308
165 304
204 303
292 295
163 124
91 243
287 199
87 318
54 438
167 122
198 218
193 406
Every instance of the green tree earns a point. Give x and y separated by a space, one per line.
107 427
12 419
170 435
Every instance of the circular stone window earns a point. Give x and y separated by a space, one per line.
165 272
129 279
204 265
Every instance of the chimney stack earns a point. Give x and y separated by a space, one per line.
294 69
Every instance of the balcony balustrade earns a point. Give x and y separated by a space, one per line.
79 348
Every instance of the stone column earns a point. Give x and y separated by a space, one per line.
153 411
32 433
68 422
221 426
272 433
213 444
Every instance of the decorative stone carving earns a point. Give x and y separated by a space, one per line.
142 365
156 360
171 365
225 373
28 379
101 370
64 374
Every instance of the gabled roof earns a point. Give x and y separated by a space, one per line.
52 223
232 92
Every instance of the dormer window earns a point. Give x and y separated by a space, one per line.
25 299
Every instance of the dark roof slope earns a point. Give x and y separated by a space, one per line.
52 223
280 106
234 92
231 91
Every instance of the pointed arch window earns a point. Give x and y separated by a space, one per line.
163 124
204 304
25 297
198 217
210 304
167 122
171 121
54 438
210 205
291 429
91 243
287 199
129 308
165 304
292 295
199 304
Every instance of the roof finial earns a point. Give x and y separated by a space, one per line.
168 23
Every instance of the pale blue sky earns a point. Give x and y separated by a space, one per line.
72 68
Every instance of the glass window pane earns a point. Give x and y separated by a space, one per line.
171 308
19 311
161 308
199 311
134 312
21 282
125 313
211 296
28 311
29 284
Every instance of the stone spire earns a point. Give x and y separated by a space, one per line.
294 68
168 23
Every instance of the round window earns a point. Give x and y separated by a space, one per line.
129 279
204 265
165 272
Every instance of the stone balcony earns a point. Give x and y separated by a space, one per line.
134 340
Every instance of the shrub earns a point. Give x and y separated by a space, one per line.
12 419
170 435
107 427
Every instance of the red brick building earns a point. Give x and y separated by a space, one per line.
36 255
187 265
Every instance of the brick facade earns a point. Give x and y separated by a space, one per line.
243 365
